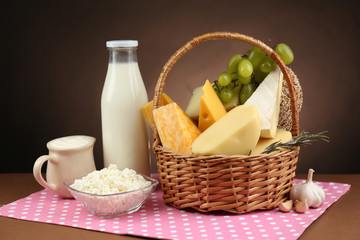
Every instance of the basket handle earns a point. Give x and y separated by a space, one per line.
226 35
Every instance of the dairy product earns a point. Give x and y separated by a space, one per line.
211 107
148 108
235 133
110 180
281 135
125 134
267 99
175 128
71 142
193 107
111 192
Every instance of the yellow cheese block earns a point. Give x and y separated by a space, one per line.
176 130
236 133
281 135
211 108
148 108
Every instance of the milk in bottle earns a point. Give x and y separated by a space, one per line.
124 132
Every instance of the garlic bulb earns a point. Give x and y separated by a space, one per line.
308 192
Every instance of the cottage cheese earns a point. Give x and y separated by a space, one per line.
110 180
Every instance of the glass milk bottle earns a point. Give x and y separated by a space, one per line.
124 131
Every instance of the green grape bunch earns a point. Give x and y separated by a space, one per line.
248 71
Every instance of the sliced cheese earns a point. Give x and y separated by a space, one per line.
176 130
148 108
193 107
267 99
211 108
235 133
281 135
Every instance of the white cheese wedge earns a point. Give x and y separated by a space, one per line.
193 107
267 99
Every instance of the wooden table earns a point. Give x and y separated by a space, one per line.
340 221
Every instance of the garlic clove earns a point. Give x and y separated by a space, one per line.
286 206
301 207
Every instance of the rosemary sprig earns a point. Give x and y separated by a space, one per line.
304 138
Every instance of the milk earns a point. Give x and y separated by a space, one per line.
124 131
71 142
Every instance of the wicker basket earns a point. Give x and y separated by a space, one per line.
233 183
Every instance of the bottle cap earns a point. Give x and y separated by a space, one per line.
122 43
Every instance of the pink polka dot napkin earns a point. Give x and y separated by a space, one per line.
157 220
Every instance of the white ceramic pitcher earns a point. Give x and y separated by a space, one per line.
69 157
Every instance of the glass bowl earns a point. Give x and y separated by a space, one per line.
113 205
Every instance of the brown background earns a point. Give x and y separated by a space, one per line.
55 63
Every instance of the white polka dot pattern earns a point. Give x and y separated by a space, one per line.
157 220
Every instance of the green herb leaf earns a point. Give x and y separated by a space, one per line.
304 138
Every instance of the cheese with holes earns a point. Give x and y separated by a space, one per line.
176 130
281 135
148 108
267 99
193 107
211 107
235 133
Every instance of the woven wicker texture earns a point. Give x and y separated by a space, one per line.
233 183
285 120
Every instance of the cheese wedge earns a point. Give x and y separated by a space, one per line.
176 130
193 107
211 108
267 99
281 135
148 108
236 133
